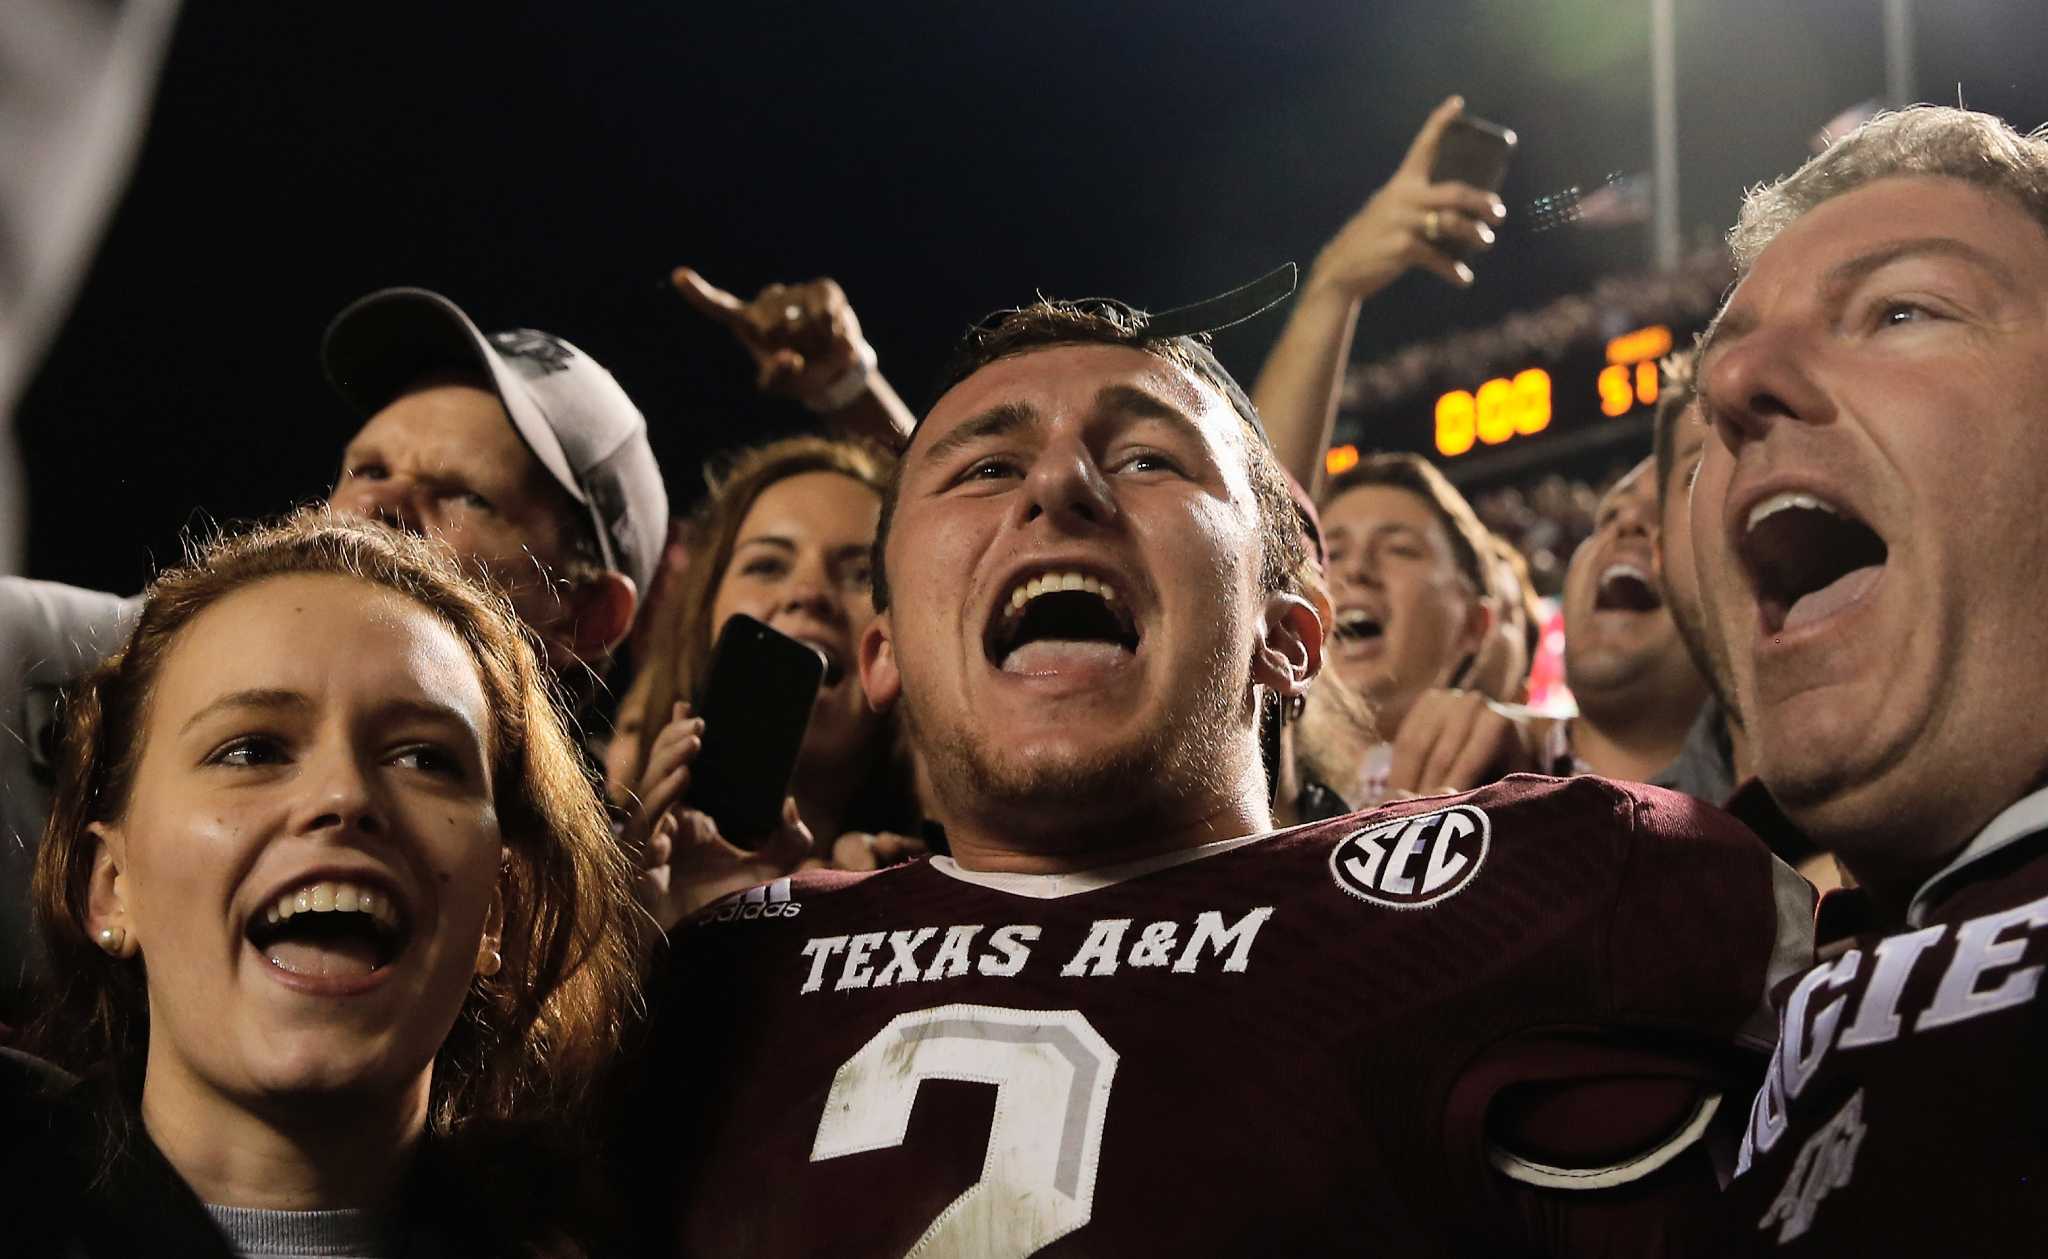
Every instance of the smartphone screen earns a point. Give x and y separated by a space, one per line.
756 705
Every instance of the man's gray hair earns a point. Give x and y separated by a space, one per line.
1925 140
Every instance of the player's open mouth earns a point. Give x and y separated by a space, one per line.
1807 559
1625 587
337 930
1057 621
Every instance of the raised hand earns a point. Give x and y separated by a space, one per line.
804 339
1457 740
1404 224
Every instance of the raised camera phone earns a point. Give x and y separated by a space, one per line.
755 705
1472 151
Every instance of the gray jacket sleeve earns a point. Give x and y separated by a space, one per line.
50 635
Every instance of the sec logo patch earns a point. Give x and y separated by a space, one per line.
1412 862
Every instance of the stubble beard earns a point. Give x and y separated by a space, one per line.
1180 758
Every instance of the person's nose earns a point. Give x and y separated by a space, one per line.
391 501
339 799
1763 380
809 592
1066 487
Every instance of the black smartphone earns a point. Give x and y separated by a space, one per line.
1472 151
755 704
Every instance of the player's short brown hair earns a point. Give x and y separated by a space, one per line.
529 1040
1047 323
1963 144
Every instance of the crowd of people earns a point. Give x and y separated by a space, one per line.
1170 863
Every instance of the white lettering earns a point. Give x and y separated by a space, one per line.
1800 1061
1155 945
1877 1013
1397 882
1441 871
1978 949
951 962
820 951
1368 870
1014 944
903 947
1767 1117
1825 1164
1210 932
857 972
1098 954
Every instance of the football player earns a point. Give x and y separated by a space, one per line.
1126 1017
1869 525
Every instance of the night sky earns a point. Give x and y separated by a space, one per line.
546 165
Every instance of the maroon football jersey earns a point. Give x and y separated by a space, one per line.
1284 1044
1903 1111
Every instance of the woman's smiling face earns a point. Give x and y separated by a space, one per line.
308 859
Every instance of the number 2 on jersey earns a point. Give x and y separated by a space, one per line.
1052 1073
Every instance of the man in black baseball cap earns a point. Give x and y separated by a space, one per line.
515 449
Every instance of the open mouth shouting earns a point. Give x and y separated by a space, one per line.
1626 587
1808 558
1060 621
331 935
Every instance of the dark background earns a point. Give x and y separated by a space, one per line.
547 165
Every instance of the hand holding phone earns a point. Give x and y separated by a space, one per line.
681 862
1473 152
756 705
1417 219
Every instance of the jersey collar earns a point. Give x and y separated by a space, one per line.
1053 886
2024 818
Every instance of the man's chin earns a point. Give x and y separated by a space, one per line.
1063 774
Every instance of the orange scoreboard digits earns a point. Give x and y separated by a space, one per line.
1520 405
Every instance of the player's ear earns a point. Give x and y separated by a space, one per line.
1290 647
879 679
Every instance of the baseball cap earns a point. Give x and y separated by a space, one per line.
567 409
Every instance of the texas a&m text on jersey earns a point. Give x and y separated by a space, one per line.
1287 1043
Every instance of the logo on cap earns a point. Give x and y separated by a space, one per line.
1413 862
536 353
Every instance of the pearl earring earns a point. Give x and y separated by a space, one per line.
488 962
113 939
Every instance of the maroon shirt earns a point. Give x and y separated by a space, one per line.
1282 1044
1904 1112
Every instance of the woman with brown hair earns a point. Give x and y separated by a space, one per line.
340 926
784 536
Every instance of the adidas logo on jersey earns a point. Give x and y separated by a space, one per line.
1410 862
770 900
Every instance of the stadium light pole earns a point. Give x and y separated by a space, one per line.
1898 53
1664 135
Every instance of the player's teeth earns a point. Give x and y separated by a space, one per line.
271 915
1784 502
322 897
345 899
366 901
302 901
1050 583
